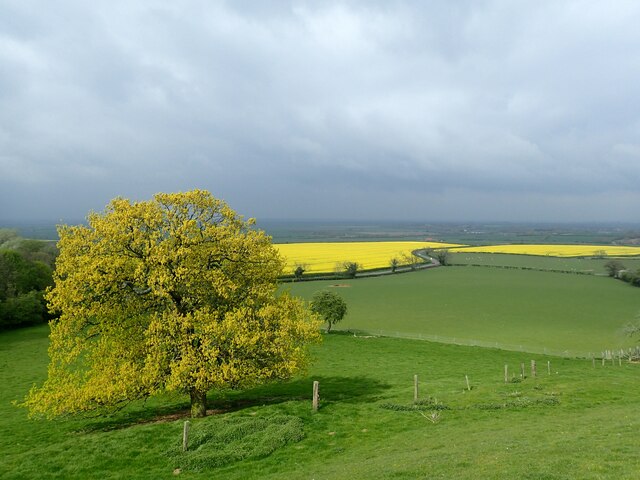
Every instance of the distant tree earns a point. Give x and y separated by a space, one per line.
44 251
410 260
600 253
299 271
614 267
176 294
350 269
330 306
442 255
38 250
394 263
8 236
24 309
630 276
22 284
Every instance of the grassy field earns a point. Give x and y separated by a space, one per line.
577 420
557 250
586 265
535 310
580 421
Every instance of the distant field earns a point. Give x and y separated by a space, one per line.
328 257
574 264
325 257
510 309
557 250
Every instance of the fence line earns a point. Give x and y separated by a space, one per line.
469 342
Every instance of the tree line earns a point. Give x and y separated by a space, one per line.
25 273
616 269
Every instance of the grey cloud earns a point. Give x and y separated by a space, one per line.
377 107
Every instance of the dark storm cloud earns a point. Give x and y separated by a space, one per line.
500 110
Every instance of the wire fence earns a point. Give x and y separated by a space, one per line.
469 342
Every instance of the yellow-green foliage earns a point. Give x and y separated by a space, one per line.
173 294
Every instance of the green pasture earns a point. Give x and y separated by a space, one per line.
511 309
579 265
580 421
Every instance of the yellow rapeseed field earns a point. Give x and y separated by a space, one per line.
328 257
557 250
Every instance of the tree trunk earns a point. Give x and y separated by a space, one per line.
198 403
328 327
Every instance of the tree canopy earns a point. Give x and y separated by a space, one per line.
23 278
173 294
614 267
330 306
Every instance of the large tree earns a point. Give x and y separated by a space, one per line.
173 294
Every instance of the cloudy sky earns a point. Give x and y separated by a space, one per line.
433 110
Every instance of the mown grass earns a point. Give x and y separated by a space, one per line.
531 309
493 431
579 265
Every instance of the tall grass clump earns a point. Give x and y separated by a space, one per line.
220 441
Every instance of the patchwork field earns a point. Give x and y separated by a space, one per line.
512 309
577 419
329 257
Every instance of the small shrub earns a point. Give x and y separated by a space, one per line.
350 269
409 260
443 256
393 263
299 271
433 417
518 403
420 405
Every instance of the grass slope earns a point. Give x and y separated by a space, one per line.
535 310
578 422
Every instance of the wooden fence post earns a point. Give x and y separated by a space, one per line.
522 370
185 436
548 367
506 373
415 389
466 377
533 368
316 395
